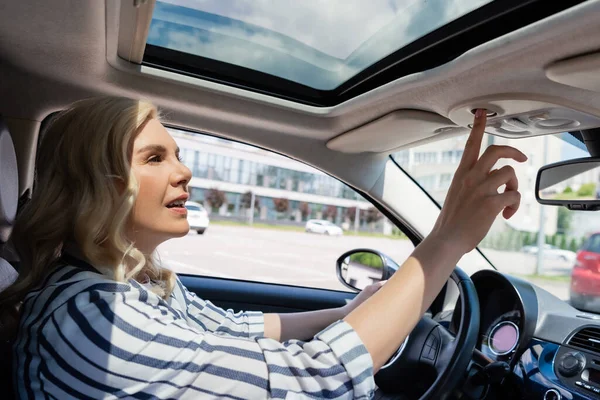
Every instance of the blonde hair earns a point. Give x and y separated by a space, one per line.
84 192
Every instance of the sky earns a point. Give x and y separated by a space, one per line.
320 43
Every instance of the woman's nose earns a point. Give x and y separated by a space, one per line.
183 175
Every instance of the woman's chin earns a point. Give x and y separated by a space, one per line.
179 231
182 232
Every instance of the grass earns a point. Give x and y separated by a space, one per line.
262 225
573 196
547 278
375 234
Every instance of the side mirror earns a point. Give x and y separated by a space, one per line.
574 184
359 268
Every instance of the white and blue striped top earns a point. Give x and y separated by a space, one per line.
85 336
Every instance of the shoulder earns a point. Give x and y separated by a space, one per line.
63 284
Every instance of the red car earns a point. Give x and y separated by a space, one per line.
585 277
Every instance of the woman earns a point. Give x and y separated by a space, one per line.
99 316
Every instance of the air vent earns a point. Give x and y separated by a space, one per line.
587 339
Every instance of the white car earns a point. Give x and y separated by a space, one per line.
323 227
197 216
551 252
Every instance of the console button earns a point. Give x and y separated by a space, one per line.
571 364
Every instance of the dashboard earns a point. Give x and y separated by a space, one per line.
548 349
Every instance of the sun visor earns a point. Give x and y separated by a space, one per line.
580 72
391 131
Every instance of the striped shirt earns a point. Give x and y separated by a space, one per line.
85 336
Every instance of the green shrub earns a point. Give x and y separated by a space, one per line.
587 189
574 246
563 243
368 259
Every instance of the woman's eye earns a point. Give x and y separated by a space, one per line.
154 159
179 158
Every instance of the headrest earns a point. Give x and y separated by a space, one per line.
9 182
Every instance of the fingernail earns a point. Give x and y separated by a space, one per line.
479 113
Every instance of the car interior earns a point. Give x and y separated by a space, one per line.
532 64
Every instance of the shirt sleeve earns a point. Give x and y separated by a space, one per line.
99 343
210 318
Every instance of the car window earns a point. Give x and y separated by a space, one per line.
593 244
261 207
512 245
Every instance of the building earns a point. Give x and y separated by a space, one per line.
433 165
300 191
307 193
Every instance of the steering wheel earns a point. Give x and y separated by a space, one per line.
431 361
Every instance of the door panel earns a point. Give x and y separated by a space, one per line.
265 297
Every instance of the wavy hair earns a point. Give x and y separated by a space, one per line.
84 193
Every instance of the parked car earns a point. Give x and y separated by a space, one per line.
585 276
323 227
197 217
551 251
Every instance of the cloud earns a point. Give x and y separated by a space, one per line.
330 40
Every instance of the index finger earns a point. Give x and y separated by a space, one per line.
473 146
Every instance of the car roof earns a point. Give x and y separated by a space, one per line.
546 62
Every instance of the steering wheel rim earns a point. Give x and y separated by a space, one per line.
449 359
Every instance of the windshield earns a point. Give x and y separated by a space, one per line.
512 245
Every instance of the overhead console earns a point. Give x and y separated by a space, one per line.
509 116
514 117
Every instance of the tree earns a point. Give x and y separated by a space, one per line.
563 222
281 205
351 213
246 200
216 198
568 189
330 212
373 215
304 210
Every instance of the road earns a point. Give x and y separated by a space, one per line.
302 259
286 257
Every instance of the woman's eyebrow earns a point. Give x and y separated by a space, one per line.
152 147
159 148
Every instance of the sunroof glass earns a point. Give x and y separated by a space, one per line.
317 43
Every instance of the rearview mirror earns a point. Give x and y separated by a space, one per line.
573 184
359 268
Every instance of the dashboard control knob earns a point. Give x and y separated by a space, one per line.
571 364
552 394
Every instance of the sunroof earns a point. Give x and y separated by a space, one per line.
317 43
315 50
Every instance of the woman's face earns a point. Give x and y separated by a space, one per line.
159 213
